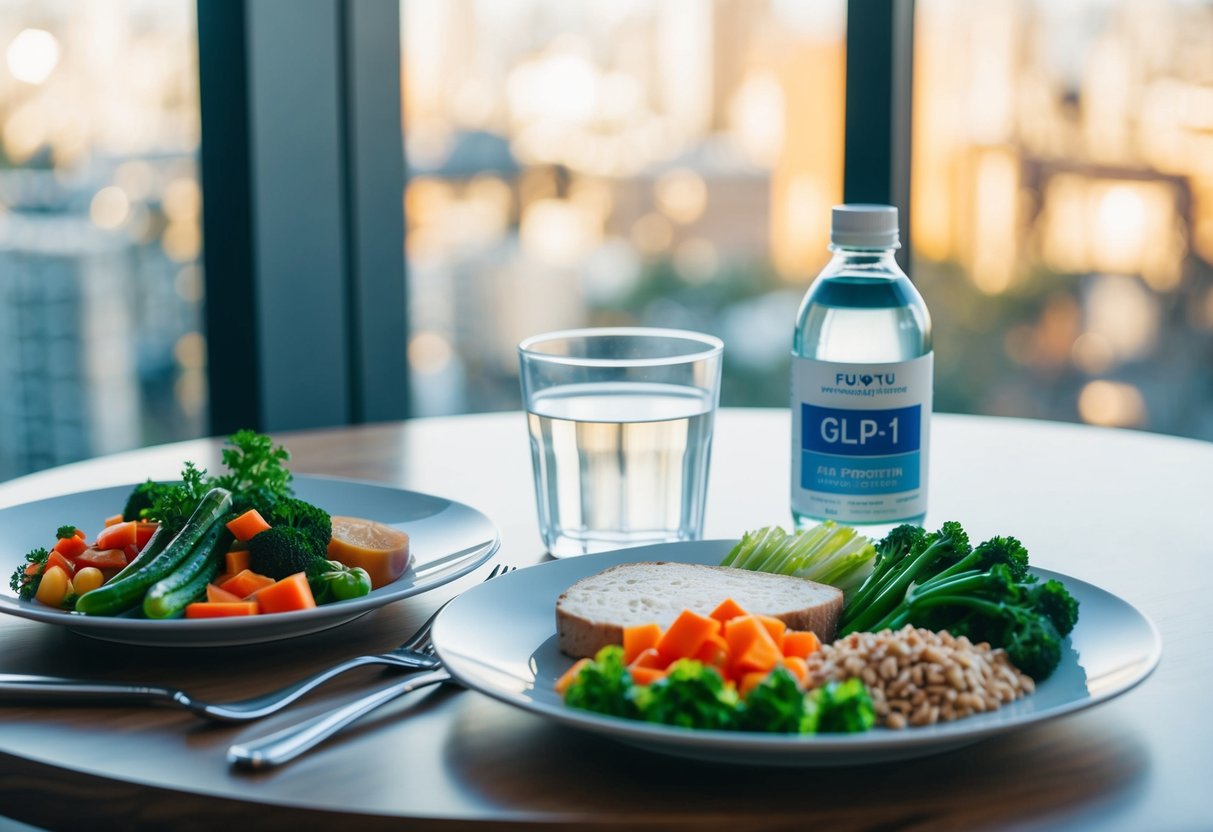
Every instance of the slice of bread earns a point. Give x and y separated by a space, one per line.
593 612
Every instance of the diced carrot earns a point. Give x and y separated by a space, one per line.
248 525
570 676
742 630
682 638
80 533
649 658
57 559
728 608
288 595
774 626
714 652
237 560
216 595
70 547
800 643
749 681
220 609
750 645
639 638
760 655
113 520
118 536
144 532
245 582
799 668
646 675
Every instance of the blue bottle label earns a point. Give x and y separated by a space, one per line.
860 439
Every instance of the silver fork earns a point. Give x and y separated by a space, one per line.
285 745
417 653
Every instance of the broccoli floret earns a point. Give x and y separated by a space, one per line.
898 543
1005 551
604 685
282 551
1052 599
1031 641
296 514
776 704
690 695
841 708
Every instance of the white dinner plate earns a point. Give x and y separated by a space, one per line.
446 540
499 638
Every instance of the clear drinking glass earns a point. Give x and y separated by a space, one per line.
621 433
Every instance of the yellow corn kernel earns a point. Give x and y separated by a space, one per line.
87 579
54 587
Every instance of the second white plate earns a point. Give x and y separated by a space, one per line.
500 638
446 540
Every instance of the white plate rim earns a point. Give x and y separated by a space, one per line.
434 571
758 748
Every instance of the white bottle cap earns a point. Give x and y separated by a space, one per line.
864 226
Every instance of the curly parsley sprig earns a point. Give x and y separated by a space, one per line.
26 584
256 474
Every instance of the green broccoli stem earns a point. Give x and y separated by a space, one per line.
875 583
894 591
969 563
967 580
965 583
946 600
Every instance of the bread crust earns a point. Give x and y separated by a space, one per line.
593 612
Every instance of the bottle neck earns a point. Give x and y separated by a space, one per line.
874 260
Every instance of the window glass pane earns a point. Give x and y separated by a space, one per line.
662 163
1062 214
100 288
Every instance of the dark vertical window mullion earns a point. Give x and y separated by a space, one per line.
345 50
230 307
303 181
375 177
878 100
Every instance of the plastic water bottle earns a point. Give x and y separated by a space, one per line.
862 378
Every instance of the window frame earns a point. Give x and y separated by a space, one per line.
303 177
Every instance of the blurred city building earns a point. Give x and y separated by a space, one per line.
100 289
1063 208
671 163
674 163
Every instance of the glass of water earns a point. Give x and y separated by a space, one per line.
621 432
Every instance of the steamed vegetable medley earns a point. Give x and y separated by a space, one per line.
239 543
933 629
730 670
